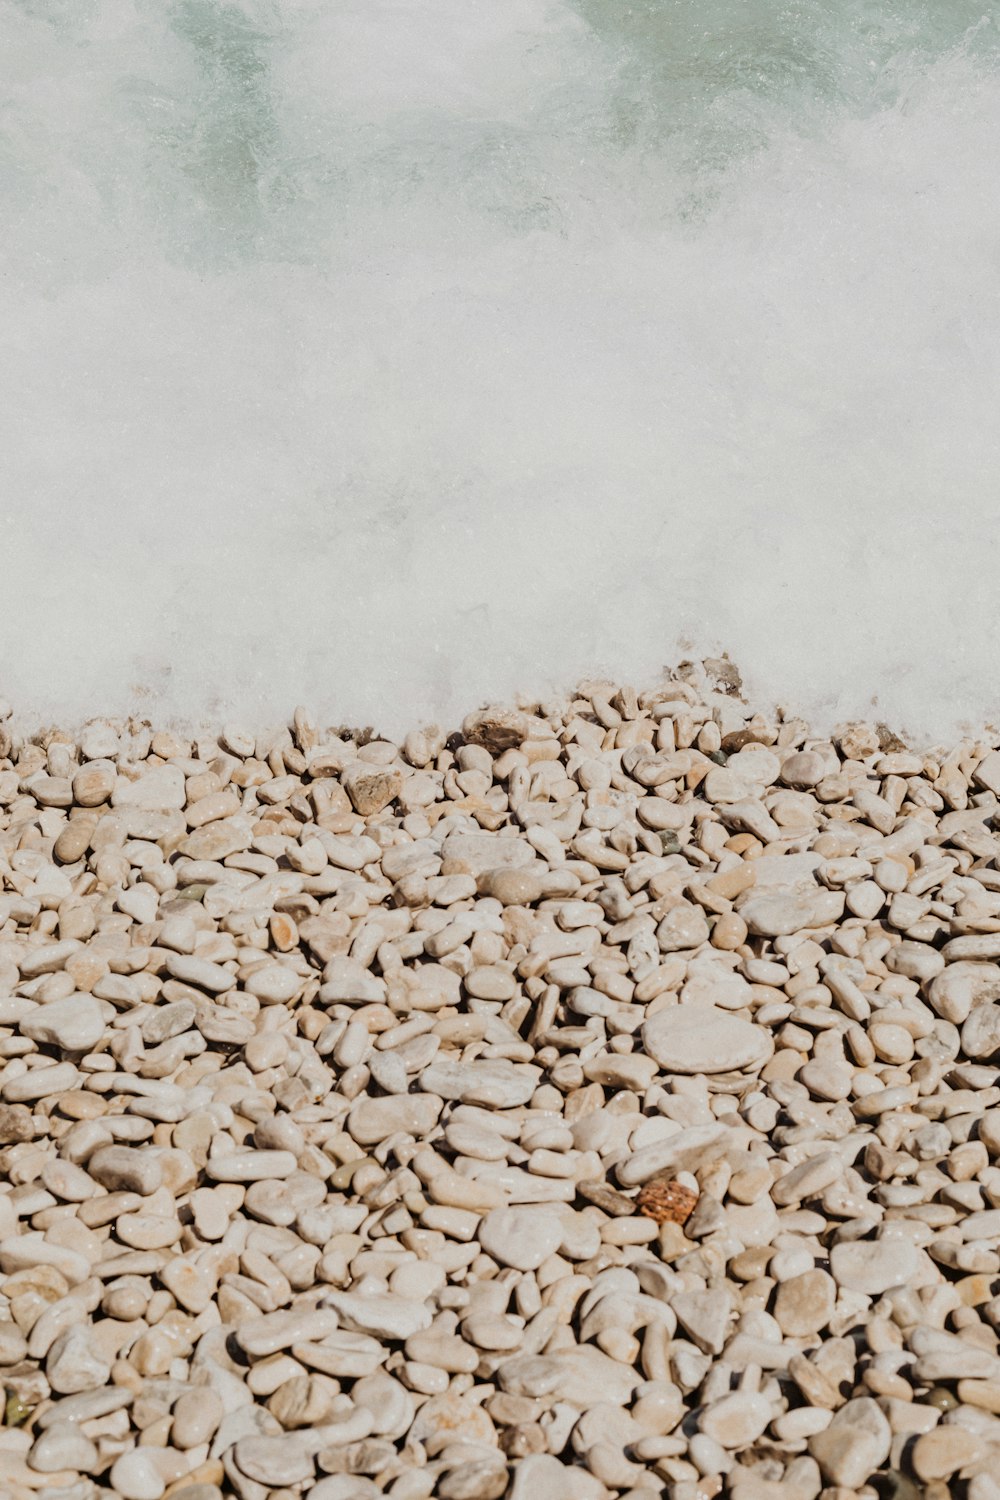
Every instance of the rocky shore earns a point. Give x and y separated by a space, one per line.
599 1102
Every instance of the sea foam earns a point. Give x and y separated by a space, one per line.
400 355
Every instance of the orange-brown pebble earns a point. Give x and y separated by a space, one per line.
666 1202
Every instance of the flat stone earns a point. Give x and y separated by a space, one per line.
158 790
40 1083
495 1084
683 1151
85 1407
517 886
453 1416
809 1178
374 1120
348 982
349 853
803 769
703 1039
145 1231
521 1237
75 1024
684 927
13 1344
343 1487
276 1461
16 1124
251 1166
303 1401
196 1417
217 841
630 1070
25 1252
166 1021
343 1354
780 911
274 984
705 1317
69 1182
490 982
981 1032
582 1377
200 973
443 1351
873 1266
987 773
382 1317
475 853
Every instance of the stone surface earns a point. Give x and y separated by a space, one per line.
854 1445
804 1304
520 1237
703 1039
941 1453
873 1266
75 1024
780 911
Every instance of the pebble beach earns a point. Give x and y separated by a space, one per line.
595 1100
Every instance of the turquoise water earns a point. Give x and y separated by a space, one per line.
391 356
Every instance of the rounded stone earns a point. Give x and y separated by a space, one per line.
134 1476
804 1304
704 1039
511 887
521 1237
873 1266
945 1450
75 1024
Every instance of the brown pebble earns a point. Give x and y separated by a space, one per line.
667 1202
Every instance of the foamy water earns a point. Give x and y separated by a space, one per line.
394 357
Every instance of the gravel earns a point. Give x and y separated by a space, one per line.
600 1101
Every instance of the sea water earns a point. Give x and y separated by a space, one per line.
393 356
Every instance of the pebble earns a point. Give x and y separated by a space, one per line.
373 1120
74 1363
780 911
736 1421
135 1476
75 1024
124 1169
704 1039
873 1266
804 1304
520 1237
942 1452
259 1337
62 1446
275 1460
386 1317
542 1477
251 1166
854 1444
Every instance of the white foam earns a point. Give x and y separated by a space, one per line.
394 357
